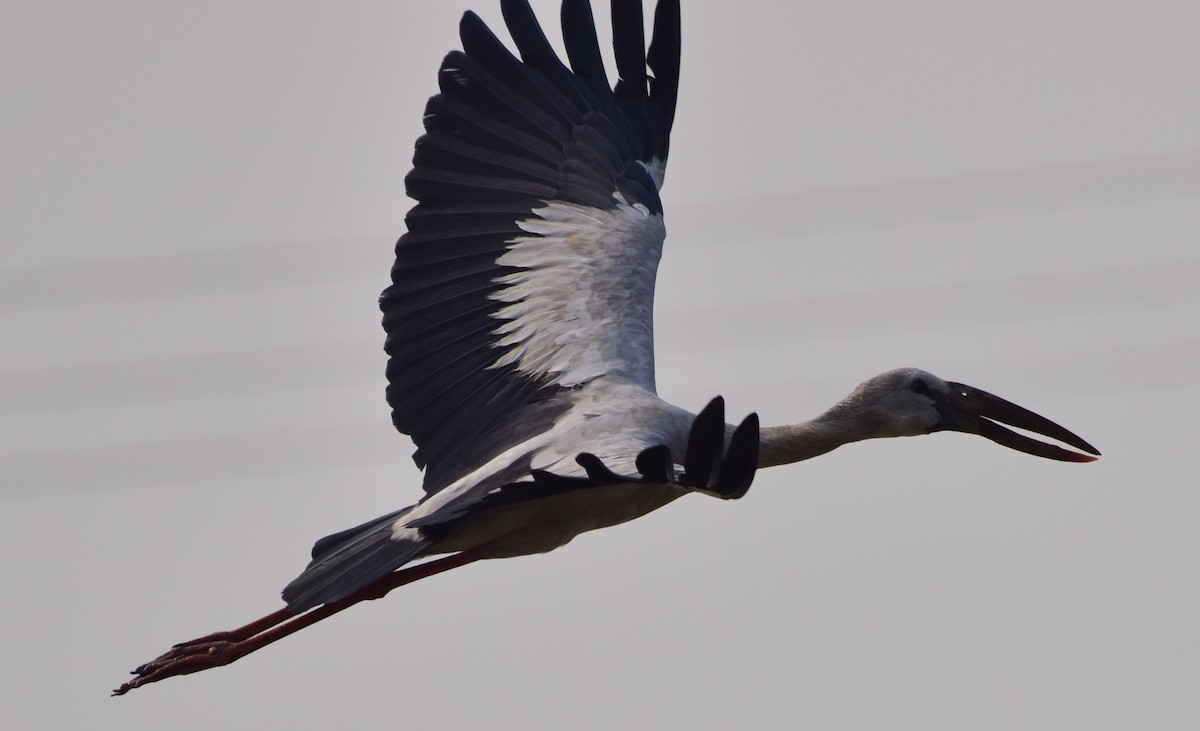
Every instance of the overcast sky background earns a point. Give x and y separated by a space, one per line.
199 207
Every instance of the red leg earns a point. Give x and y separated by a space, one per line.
222 648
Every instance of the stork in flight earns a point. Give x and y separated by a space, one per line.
520 333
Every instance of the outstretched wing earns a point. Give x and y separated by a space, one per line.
528 267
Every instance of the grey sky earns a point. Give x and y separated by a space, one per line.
200 202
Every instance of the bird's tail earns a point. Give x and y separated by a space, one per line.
345 562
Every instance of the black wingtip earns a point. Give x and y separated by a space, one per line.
656 465
583 46
596 469
706 440
629 48
663 58
712 468
741 460
470 23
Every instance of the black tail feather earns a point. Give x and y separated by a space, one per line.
349 560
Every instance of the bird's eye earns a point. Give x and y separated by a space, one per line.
919 386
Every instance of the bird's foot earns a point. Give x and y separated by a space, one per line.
203 653
209 651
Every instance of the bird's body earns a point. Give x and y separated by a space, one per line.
540 525
520 330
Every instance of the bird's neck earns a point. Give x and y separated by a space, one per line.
795 442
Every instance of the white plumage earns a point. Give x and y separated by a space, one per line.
606 260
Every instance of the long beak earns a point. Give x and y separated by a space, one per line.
971 410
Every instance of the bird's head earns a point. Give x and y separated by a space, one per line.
909 401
